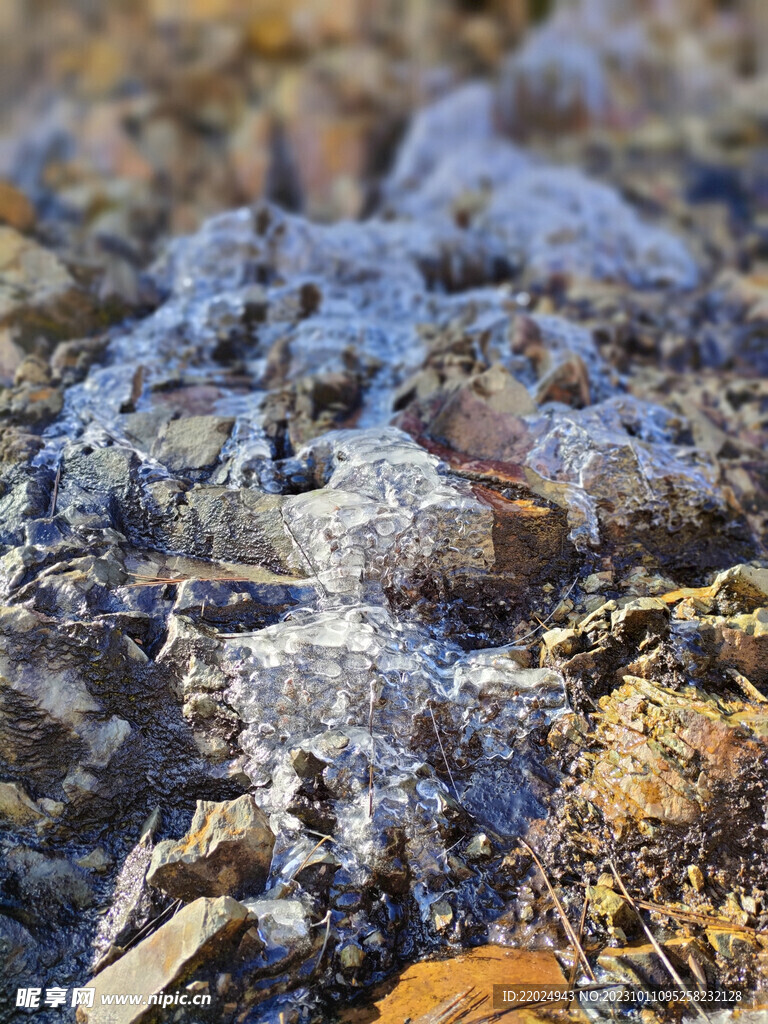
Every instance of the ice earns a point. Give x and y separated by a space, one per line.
386 512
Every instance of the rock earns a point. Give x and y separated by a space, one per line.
97 860
38 296
611 908
50 882
743 643
306 764
639 964
561 643
351 957
18 949
191 443
664 755
423 987
696 877
197 934
32 370
71 360
731 945
31 405
219 523
441 915
15 208
17 807
478 848
482 418
639 617
740 589
70 731
228 849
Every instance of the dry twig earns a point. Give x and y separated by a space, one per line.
572 936
445 759
652 939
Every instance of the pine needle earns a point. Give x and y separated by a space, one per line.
572 936
652 939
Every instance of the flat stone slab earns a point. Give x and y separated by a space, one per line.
163 960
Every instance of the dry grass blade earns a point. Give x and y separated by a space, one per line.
652 939
578 949
327 922
373 753
153 924
543 622
445 759
708 920
146 580
55 494
304 555
325 839
575 966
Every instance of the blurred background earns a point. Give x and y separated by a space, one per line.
126 121
138 118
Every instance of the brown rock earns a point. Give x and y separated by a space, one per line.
250 152
744 644
567 382
665 753
421 989
228 849
15 209
483 417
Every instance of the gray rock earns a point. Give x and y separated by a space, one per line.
740 589
49 881
69 730
18 949
197 933
97 860
228 849
479 848
219 523
191 443
38 295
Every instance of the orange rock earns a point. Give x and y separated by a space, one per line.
250 152
744 644
330 152
15 209
422 987
665 753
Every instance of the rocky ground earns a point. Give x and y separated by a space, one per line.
348 562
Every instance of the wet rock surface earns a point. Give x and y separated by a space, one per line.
361 551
